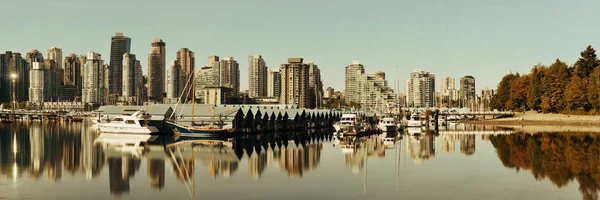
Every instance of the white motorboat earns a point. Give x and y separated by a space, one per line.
388 124
350 124
414 121
126 124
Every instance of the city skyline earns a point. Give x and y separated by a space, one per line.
409 41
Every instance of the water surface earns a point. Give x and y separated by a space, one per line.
73 161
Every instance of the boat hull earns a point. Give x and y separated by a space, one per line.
194 132
129 130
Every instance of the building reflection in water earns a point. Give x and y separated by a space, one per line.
421 147
47 149
358 149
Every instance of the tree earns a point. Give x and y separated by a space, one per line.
593 89
518 93
554 83
535 90
503 94
575 96
587 63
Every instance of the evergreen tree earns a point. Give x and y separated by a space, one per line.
587 63
518 93
535 92
593 89
502 95
554 83
575 96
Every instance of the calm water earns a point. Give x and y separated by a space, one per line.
71 161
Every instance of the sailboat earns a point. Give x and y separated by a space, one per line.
196 130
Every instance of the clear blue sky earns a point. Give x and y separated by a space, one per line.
485 39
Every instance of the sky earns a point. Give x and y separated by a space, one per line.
485 39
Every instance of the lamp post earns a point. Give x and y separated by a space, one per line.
13 78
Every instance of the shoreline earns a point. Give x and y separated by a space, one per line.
539 119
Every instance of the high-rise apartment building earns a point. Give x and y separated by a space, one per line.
294 83
186 59
13 63
42 83
212 60
257 76
329 91
156 70
208 76
55 53
353 73
467 91
95 79
370 91
421 89
72 70
448 93
273 83
119 45
230 75
130 89
34 56
177 82
315 85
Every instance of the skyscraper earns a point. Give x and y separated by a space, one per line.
129 77
55 53
257 76
185 58
72 70
156 70
353 73
467 91
273 83
95 83
315 85
140 92
421 89
42 83
294 83
208 76
34 56
58 76
13 63
449 93
212 60
177 81
230 75
119 45
370 91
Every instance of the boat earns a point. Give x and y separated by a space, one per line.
194 130
414 121
350 124
388 124
197 131
126 124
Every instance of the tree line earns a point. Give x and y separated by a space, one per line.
558 88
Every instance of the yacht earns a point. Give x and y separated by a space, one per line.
414 121
349 124
388 124
126 124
